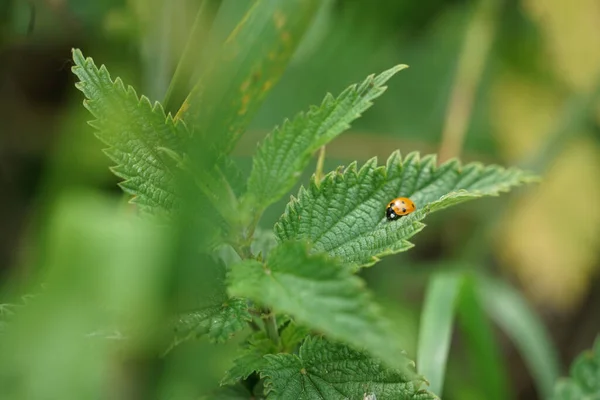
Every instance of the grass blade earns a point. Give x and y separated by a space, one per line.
250 62
193 55
489 370
515 317
435 330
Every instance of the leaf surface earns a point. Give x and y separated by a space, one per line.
287 150
326 370
319 293
135 131
218 321
344 214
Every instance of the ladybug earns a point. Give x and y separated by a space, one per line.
399 207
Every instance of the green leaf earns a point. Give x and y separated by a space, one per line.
325 370
135 131
285 152
251 358
584 380
320 293
251 61
435 331
219 321
344 214
515 317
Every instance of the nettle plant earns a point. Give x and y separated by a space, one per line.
314 329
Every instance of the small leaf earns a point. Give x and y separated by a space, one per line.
251 61
344 214
320 293
251 358
287 150
135 131
220 322
584 380
325 370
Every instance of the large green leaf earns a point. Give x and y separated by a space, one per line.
135 131
344 214
287 150
584 380
325 370
250 62
320 293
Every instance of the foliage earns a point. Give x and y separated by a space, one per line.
316 329
332 227
584 378
285 153
325 370
343 215
135 131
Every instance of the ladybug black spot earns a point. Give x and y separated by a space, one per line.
390 214
404 210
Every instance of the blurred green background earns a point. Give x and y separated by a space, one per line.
513 82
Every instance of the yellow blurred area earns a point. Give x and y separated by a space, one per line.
570 29
550 239
523 113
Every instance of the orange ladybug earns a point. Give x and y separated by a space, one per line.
399 207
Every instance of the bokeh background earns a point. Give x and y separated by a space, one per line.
513 82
